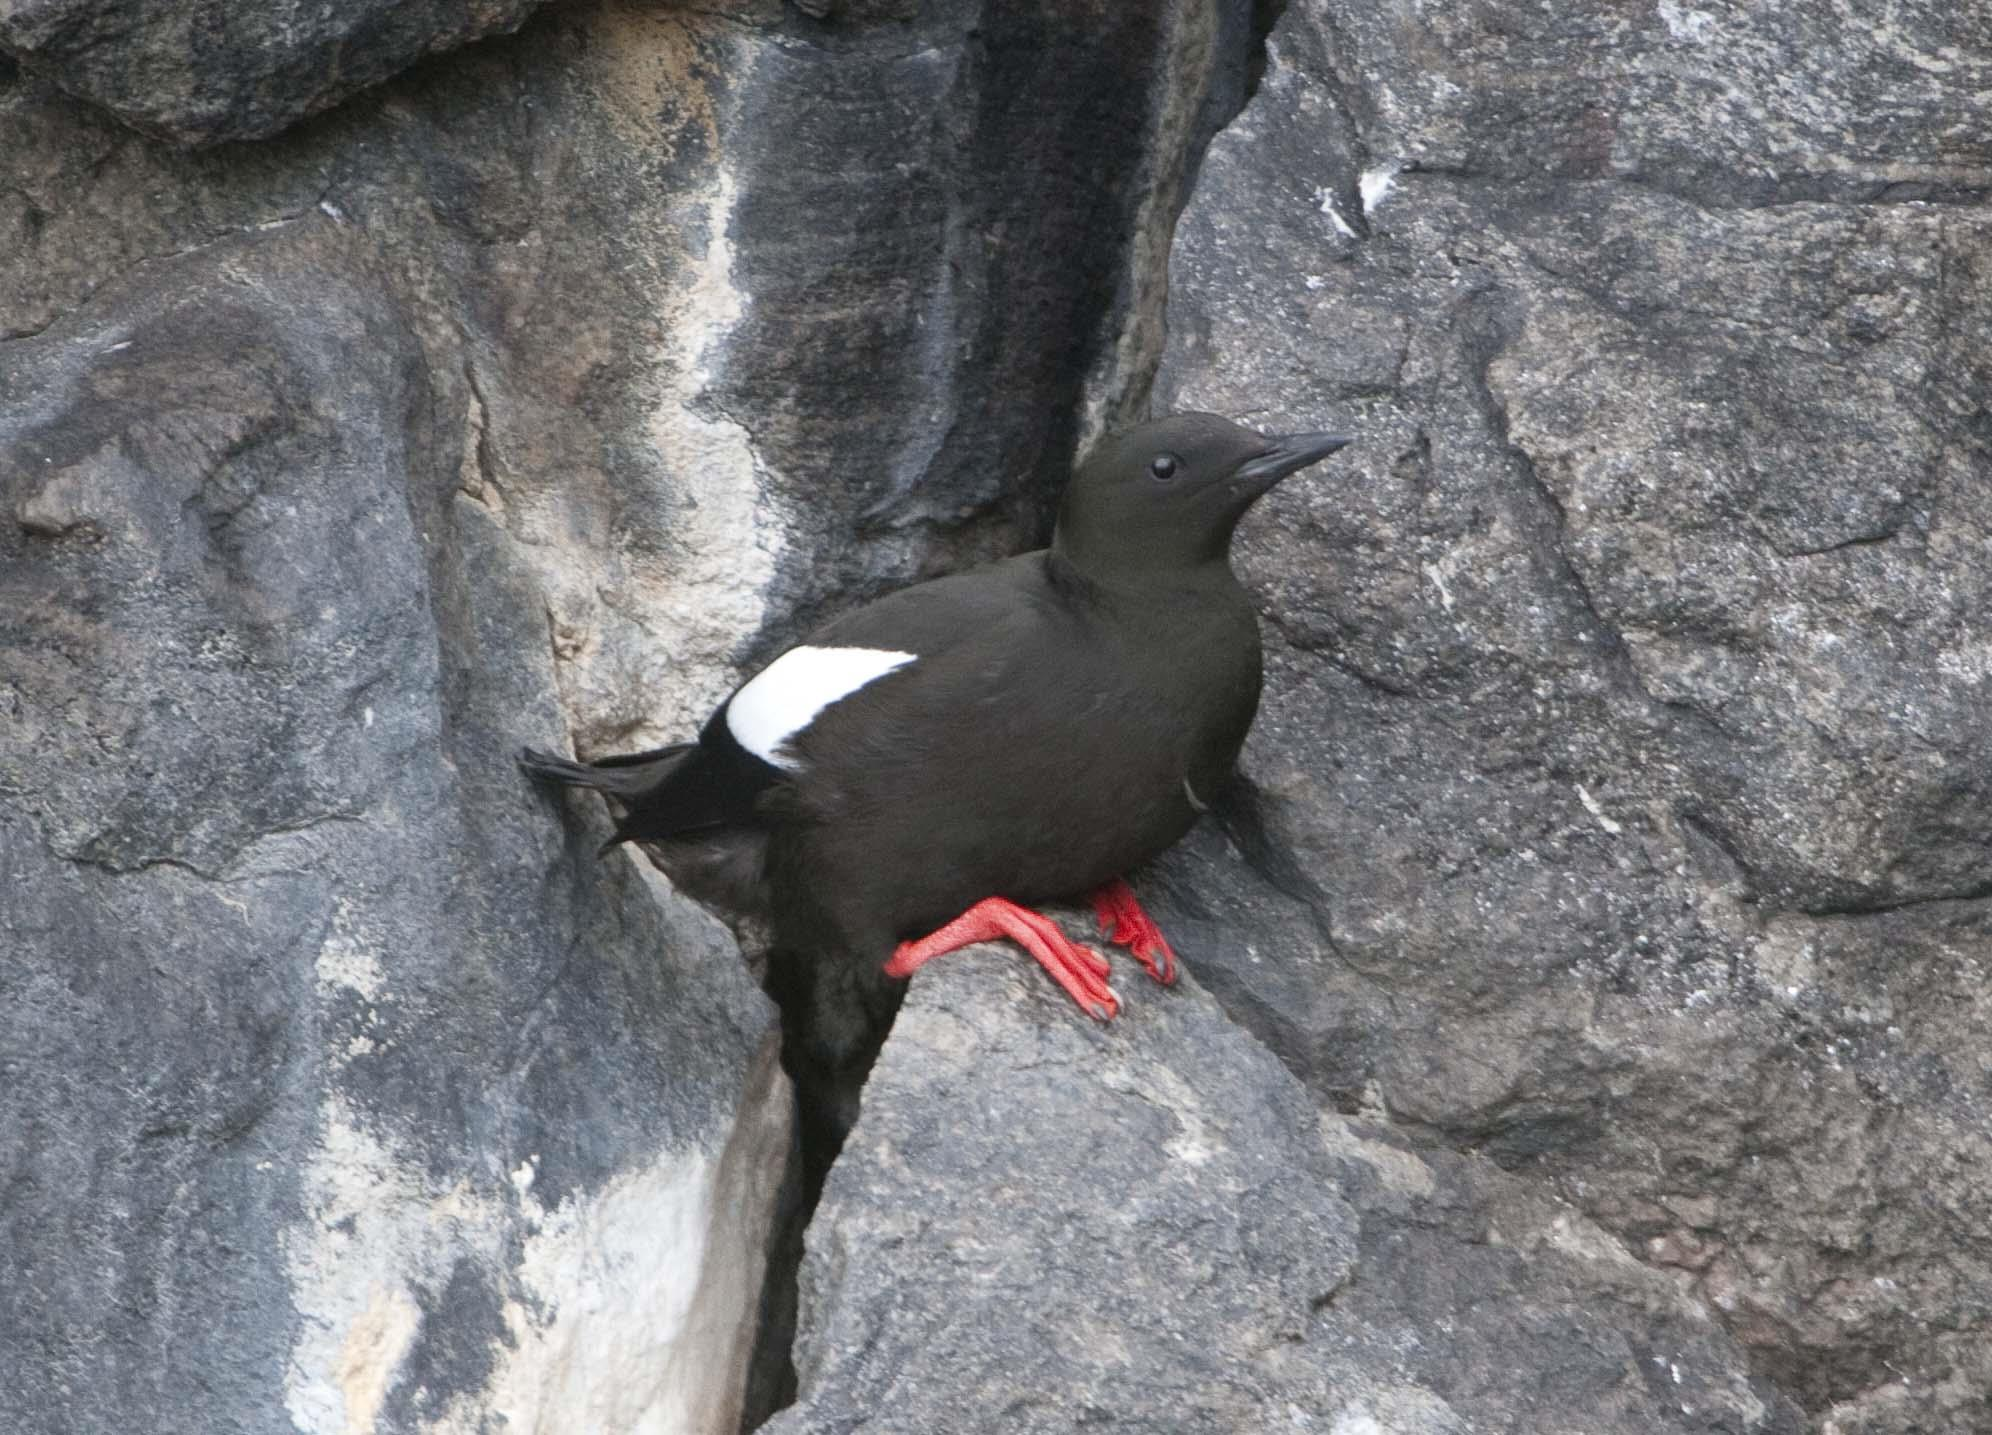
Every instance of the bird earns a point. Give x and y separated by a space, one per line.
927 769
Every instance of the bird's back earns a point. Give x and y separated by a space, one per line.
1053 734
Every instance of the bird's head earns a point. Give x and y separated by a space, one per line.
1167 494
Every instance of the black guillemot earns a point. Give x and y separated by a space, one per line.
925 769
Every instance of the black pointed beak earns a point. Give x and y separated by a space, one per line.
1287 454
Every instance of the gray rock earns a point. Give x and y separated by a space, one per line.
1040 1224
338 1082
525 398
952 246
202 71
1616 817
1618 809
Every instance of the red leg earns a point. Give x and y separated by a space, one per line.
1079 970
1126 925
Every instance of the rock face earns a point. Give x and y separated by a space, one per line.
1041 1225
1619 809
331 1065
1612 862
198 71
523 399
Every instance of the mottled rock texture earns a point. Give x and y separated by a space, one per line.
210 70
1620 806
1612 858
199 71
523 399
1042 1225
330 1066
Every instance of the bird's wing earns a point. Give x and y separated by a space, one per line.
747 745
919 631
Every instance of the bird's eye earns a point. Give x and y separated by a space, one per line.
1164 466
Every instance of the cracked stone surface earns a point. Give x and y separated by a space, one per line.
329 1062
1612 861
523 398
1040 1224
203 71
1619 805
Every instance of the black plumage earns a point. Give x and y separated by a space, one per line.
1036 728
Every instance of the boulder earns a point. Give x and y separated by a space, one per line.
341 1085
204 71
1040 1224
1618 808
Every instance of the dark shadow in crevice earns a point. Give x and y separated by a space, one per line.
834 1024
771 1383
1265 15
1243 27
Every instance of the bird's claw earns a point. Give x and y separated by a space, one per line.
1125 924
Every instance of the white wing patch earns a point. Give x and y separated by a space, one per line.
785 697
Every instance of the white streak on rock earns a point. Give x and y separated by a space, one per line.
350 1261
375 1345
1399 1170
348 957
1591 806
629 1309
1685 24
1325 201
1376 184
713 592
1437 574
608 1282
1398 1410
646 634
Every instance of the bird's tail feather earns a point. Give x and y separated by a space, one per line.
654 795
625 778
558 769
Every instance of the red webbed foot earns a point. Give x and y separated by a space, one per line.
1126 925
1081 971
